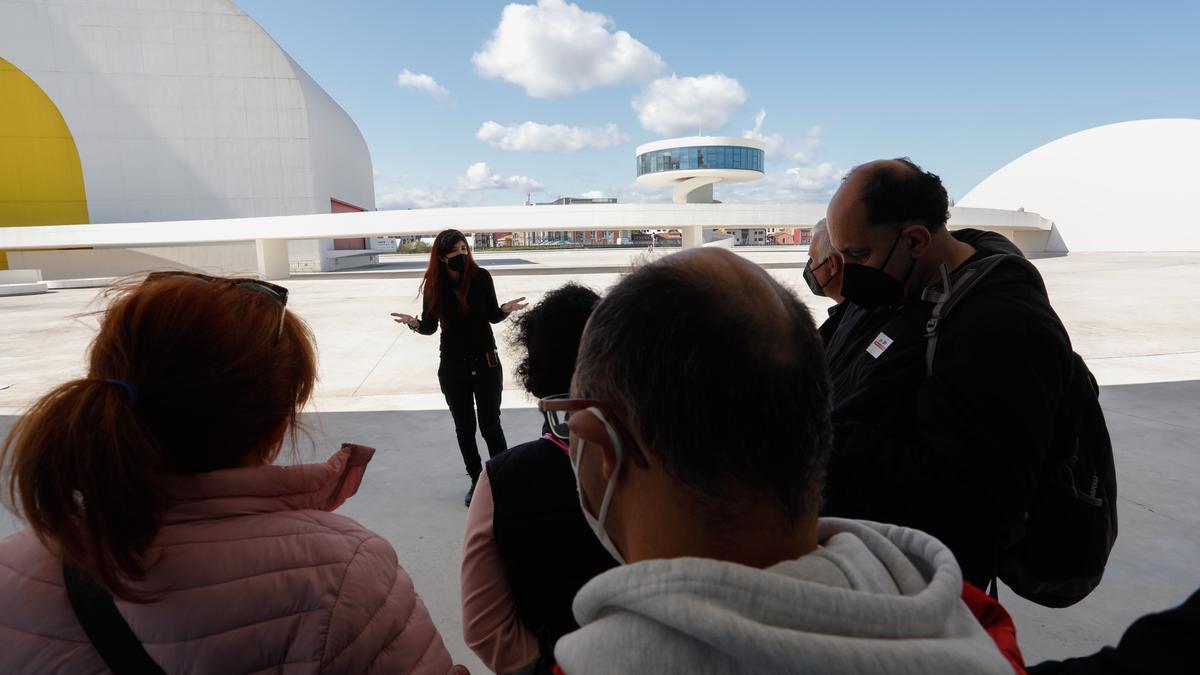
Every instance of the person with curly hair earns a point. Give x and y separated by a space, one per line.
528 548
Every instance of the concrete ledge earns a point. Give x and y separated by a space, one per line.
20 276
93 282
23 289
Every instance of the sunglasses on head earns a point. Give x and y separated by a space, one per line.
274 291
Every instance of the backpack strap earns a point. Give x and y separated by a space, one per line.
953 293
108 631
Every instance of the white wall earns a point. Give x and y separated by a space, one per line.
341 162
223 259
180 109
1122 187
187 110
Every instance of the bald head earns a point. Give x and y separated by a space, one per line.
718 369
888 192
725 279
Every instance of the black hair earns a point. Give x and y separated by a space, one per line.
723 383
548 333
894 195
447 240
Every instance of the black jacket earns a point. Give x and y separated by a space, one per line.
1159 643
548 550
956 454
466 335
830 326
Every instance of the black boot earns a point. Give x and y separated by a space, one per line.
471 492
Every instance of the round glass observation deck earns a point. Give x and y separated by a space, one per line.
691 158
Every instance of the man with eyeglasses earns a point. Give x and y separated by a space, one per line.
698 426
946 435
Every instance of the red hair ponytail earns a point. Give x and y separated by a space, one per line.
209 387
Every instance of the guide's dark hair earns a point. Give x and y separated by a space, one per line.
721 377
904 195
548 333
436 277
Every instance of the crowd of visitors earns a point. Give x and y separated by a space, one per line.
718 485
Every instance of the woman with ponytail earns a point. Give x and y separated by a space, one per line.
459 296
162 538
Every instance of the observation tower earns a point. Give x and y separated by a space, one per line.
692 165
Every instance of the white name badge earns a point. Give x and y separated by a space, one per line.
879 345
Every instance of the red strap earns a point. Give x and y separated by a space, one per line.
998 624
557 441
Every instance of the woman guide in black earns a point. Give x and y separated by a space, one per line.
459 296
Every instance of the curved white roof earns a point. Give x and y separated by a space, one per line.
699 142
220 124
1130 186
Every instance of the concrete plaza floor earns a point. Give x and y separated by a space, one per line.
1134 317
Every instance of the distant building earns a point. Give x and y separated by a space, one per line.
563 201
583 237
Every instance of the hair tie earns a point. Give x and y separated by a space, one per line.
130 390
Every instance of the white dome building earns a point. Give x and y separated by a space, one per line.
1131 186
167 110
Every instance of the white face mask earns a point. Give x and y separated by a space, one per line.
597 522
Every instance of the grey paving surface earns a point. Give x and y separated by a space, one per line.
1133 316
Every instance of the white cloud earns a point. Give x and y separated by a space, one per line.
780 148
480 177
421 82
416 198
632 193
809 183
554 48
397 192
676 105
535 137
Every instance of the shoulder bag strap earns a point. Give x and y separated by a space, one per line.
952 294
112 637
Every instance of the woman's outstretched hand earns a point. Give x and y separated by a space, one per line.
514 305
405 319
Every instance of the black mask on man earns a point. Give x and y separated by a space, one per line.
457 263
810 278
871 287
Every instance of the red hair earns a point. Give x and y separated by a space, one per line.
437 276
212 388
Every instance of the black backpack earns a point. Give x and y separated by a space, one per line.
1057 555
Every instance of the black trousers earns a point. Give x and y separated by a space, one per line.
471 384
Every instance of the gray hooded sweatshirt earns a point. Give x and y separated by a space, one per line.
872 598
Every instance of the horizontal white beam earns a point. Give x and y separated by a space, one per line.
468 219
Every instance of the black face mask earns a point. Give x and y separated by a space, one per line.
871 287
457 263
810 278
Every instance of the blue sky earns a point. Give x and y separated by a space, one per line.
961 87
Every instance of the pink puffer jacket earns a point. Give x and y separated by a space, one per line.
255 575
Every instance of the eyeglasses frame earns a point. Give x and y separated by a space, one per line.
274 291
554 404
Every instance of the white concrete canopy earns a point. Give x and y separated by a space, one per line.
689 218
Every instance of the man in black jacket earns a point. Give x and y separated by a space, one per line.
956 453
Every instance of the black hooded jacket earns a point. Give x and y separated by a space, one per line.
956 454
